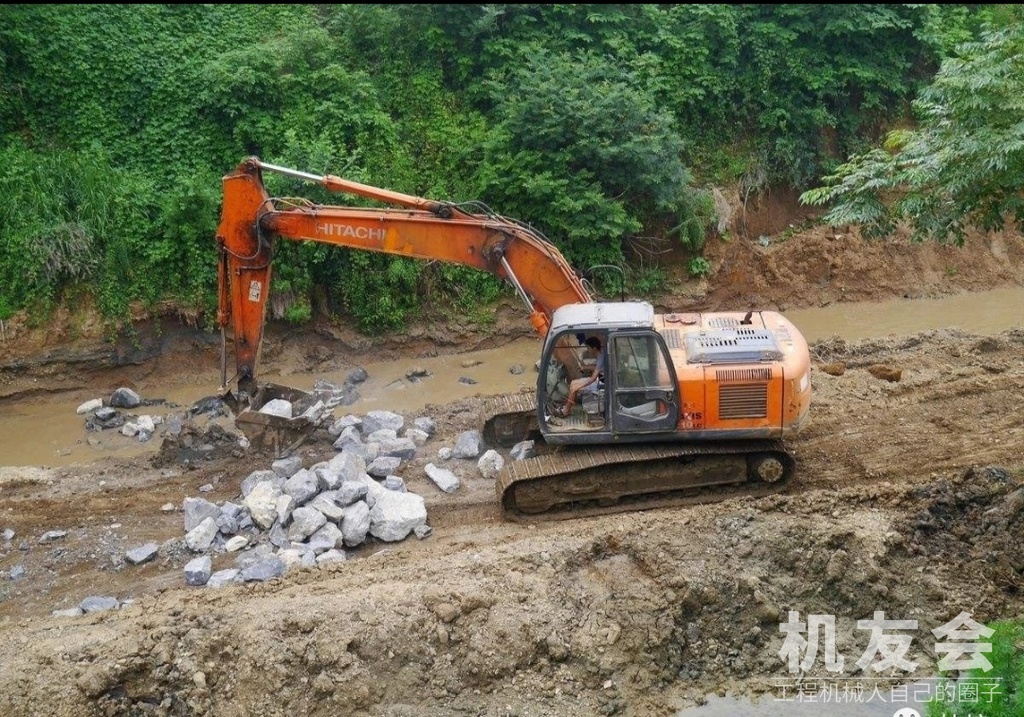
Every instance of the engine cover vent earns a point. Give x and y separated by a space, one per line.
736 401
742 346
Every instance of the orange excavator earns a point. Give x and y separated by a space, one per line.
688 407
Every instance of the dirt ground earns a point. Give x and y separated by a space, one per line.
907 499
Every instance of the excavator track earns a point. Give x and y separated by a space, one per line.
582 481
510 418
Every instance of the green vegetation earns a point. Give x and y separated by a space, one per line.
601 125
1006 679
962 166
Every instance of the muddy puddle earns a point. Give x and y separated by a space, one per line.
46 431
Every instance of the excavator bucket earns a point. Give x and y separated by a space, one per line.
268 428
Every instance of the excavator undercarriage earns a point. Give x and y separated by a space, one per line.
573 481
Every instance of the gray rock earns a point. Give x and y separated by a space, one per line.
331 556
516 369
200 538
302 486
326 538
266 569
142 554
443 478
417 436
278 536
69 612
350 491
490 464
17 572
8 534
257 477
376 420
284 507
97 603
395 515
356 375
523 450
305 522
349 437
348 466
226 524
366 451
107 417
301 557
277 407
232 510
470 444
222 578
89 406
444 453
287 467
325 503
382 434
326 477
403 448
236 543
356 524
383 466
197 510
52 535
425 424
262 504
125 398
197 570
395 483
423 531
345 422
373 489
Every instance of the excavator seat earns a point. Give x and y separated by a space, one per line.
593 402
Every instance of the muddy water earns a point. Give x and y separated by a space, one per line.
983 313
47 432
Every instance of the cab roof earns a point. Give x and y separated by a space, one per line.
631 314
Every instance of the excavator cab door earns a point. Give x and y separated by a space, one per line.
644 391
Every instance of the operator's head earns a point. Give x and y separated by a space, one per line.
594 343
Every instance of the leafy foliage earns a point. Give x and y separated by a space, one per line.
587 121
964 165
1007 675
580 139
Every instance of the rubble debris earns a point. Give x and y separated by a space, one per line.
52 535
97 603
142 554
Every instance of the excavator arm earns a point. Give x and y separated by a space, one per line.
251 221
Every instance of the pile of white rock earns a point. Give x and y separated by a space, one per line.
292 515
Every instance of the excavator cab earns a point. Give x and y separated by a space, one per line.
636 398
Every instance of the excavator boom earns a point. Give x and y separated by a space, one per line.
251 220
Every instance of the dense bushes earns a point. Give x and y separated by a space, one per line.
598 124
